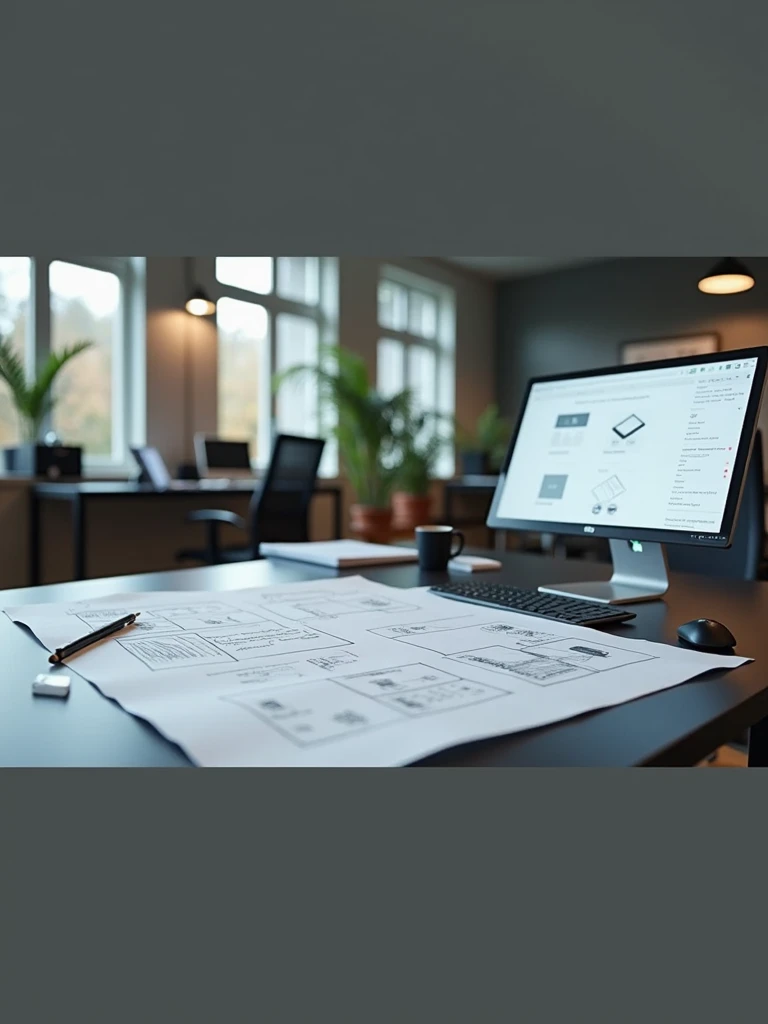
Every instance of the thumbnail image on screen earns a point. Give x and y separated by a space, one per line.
628 427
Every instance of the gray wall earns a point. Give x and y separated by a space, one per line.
576 319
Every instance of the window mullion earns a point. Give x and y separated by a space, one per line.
41 323
231 291
122 392
110 264
272 303
271 369
406 338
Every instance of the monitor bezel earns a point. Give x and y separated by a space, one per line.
723 538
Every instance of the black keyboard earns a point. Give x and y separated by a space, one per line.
533 602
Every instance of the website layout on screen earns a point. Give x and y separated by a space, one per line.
651 449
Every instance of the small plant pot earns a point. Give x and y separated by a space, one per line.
475 464
370 524
410 511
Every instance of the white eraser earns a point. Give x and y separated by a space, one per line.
469 563
51 686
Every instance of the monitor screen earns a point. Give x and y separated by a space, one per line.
646 452
227 454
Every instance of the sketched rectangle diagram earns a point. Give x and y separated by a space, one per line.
595 655
309 714
419 689
514 664
609 489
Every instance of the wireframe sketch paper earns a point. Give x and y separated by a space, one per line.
345 672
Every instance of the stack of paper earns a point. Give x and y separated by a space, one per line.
340 554
347 672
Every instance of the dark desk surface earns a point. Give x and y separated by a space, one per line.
676 727
472 483
128 488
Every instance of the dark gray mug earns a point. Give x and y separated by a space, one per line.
435 544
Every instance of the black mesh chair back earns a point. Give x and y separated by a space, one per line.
280 507
743 559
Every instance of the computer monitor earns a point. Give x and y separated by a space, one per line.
222 459
643 457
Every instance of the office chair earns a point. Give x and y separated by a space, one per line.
279 508
744 560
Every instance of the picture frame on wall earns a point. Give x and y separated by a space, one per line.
676 347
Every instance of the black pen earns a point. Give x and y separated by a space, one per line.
92 638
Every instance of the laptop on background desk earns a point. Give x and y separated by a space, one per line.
153 468
157 474
222 461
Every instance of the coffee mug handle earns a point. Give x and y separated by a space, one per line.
460 535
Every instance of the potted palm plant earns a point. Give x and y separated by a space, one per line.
419 447
483 449
32 399
366 433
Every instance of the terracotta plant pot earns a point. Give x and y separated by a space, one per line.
371 524
410 511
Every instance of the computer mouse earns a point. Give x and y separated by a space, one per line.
707 633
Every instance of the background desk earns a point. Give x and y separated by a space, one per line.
81 495
680 726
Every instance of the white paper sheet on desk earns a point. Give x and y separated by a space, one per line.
346 672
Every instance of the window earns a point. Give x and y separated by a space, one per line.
243 369
273 312
298 340
15 290
78 300
298 278
251 273
85 304
417 320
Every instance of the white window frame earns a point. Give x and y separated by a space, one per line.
443 345
128 365
325 314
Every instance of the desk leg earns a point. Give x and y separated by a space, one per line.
34 538
758 745
337 502
78 536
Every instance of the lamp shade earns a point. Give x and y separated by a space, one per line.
200 303
727 277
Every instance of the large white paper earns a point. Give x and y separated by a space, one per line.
346 672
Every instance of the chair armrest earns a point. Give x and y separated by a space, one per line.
216 515
212 519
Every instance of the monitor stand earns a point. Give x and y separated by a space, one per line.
639 574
